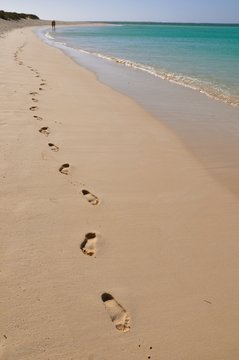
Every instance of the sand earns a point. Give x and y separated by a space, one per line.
7 25
115 242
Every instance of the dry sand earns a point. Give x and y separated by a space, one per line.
7 25
86 171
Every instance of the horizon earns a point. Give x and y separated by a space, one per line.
154 11
146 22
133 21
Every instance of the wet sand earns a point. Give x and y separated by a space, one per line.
115 241
208 128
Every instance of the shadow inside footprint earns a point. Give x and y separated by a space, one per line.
64 169
90 197
35 100
45 130
33 93
33 108
117 313
88 246
53 147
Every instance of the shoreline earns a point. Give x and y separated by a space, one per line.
204 124
166 233
186 81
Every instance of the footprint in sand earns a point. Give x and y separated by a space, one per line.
40 88
88 246
64 169
34 93
38 117
90 197
117 313
43 84
37 76
53 147
35 100
33 108
45 130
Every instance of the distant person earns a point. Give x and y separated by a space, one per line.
53 25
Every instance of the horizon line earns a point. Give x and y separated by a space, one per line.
148 22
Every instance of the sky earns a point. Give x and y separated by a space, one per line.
223 11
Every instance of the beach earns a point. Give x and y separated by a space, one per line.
116 242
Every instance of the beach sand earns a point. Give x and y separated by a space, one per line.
115 242
7 25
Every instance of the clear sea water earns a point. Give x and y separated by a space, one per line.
202 57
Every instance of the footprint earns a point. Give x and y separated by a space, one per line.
45 130
38 117
37 76
88 246
35 100
33 93
42 84
53 147
20 63
90 197
64 169
40 88
33 108
117 313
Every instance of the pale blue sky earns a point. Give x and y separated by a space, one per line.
129 10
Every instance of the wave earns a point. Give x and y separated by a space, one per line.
49 36
205 87
202 86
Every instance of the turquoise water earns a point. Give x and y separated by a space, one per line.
202 57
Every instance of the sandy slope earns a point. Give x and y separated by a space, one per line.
7 25
163 235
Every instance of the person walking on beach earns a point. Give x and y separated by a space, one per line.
53 25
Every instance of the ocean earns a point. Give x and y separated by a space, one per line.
202 57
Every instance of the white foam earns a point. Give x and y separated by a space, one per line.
49 36
203 87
